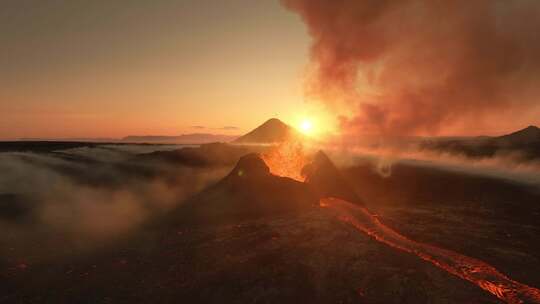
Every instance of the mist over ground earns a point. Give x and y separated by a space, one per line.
503 165
82 198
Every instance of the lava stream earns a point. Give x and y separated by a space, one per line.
478 272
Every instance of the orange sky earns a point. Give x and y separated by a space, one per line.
88 69
97 69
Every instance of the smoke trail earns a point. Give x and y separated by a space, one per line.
424 67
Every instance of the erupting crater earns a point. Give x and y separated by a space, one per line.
325 180
287 159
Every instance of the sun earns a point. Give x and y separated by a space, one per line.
306 126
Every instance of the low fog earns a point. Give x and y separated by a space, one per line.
83 198
510 165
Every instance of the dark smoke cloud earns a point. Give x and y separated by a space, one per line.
424 67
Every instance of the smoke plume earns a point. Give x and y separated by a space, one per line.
417 67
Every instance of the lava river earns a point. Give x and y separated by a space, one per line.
478 272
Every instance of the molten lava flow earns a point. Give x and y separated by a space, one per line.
287 160
478 272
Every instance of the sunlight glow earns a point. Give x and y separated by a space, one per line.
306 126
314 122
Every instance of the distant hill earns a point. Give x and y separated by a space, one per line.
529 135
212 154
195 138
272 131
525 143
71 139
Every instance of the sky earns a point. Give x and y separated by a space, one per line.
73 68
109 69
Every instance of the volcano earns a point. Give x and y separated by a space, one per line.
526 136
271 131
251 191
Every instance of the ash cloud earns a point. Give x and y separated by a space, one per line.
423 67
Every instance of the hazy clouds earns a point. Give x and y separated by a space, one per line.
425 67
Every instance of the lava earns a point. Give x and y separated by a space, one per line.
287 159
473 270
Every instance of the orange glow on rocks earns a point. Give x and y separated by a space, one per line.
287 159
473 270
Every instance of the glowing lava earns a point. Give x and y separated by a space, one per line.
478 272
288 159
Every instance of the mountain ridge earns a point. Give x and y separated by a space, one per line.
271 131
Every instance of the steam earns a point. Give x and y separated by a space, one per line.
383 167
82 199
424 67
503 165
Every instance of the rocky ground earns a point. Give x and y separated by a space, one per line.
266 240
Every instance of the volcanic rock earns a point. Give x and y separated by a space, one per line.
324 179
250 191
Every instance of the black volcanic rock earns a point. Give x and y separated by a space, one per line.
249 192
250 166
272 131
15 206
294 257
324 179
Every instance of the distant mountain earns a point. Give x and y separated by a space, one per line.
195 138
272 131
526 136
71 139
524 143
